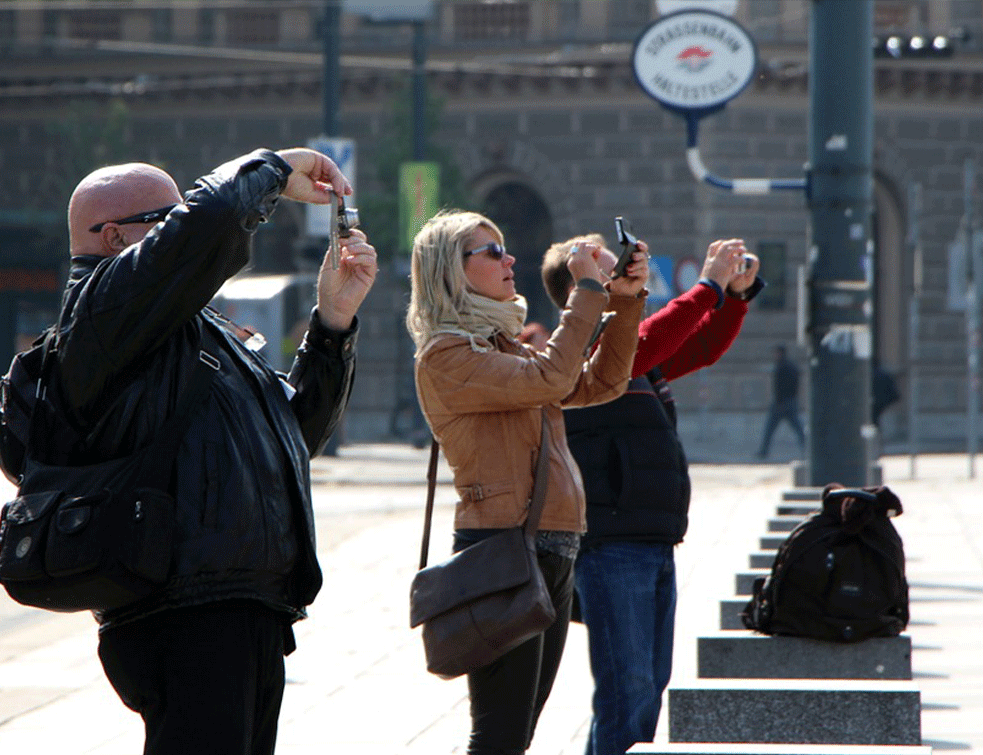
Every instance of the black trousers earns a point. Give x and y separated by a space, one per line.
205 679
508 695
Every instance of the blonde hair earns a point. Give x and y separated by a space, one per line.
439 297
556 276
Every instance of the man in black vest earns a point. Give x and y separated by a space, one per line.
637 486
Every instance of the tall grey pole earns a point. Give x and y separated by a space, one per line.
840 268
914 323
331 86
973 274
419 91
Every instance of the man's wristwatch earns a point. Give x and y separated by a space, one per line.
750 292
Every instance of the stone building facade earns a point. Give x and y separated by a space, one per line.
550 132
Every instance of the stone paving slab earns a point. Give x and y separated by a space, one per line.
805 711
745 655
738 748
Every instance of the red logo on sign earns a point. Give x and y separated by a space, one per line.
694 59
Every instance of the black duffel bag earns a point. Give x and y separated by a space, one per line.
99 536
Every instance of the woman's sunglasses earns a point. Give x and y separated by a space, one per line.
495 250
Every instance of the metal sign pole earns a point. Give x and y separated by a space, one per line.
972 319
914 323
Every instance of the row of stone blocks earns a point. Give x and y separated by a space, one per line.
760 695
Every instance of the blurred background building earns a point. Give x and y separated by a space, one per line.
534 116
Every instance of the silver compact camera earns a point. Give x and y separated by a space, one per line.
344 219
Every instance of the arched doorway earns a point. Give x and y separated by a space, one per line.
528 227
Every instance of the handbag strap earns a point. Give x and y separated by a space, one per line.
536 504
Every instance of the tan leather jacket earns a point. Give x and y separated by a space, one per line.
485 408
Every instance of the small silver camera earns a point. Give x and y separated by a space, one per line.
344 220
745 264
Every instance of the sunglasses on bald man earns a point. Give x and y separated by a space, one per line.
152 216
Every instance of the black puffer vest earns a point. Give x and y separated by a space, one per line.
634 469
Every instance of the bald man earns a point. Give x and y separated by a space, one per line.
201 659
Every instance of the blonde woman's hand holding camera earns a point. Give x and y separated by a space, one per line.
636 274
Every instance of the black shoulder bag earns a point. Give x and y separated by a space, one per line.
98 536
486 599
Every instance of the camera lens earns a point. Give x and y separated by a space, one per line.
349 219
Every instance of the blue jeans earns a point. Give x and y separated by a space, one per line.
627 594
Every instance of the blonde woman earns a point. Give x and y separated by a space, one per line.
483 393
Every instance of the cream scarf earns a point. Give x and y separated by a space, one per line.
485 317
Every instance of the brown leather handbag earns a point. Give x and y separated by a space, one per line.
486 599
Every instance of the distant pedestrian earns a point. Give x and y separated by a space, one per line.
784 401
884 391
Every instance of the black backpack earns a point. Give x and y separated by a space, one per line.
840 574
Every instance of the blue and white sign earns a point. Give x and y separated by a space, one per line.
694 61
686 273
659 282
342 151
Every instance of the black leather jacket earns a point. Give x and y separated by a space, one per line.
130 333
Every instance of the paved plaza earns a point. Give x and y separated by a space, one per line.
357 682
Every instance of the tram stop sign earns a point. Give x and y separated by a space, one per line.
694 61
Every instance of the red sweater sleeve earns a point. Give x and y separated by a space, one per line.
688 333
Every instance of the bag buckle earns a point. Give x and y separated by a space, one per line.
209 360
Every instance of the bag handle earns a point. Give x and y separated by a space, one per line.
536 503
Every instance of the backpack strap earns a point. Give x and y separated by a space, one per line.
855 508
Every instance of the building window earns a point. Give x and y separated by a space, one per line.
900 15
626 19
491 21
254 27
8 27
773 256
95 24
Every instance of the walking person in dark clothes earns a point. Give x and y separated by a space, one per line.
784 401
637 486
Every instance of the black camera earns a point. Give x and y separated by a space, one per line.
628 241
344 220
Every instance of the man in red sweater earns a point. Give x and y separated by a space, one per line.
638 489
